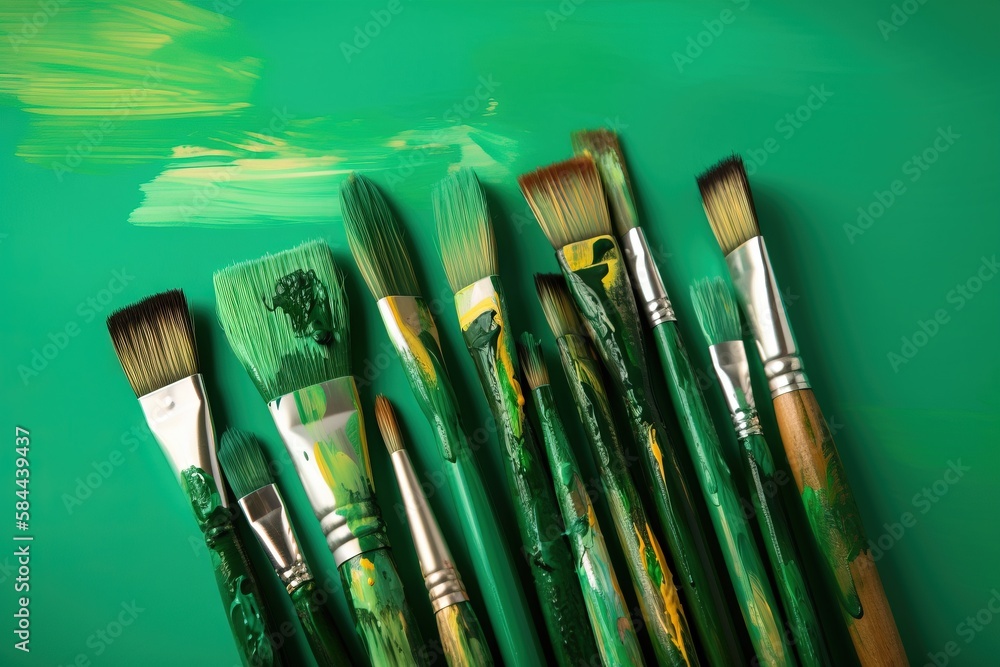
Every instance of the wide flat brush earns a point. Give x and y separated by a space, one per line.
829 503
468 252
569 203
154 341
606 607
377 245
746 568
285 317
459 629
264 508
720 323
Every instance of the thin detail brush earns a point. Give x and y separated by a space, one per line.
285 317
264 508
829 503
377 245
459 629
468 252
154 341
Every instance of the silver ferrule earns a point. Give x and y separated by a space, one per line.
265 512
757 292
351 520
444 586
181 421
732 368
647 283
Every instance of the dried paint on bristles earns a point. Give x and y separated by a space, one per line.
465 230
154 341
386 418
568 201
242 459
286 318
716 310
725 192
603 146
375 239
557 305
529 352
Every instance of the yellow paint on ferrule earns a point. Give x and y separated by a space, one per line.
405 318
591 252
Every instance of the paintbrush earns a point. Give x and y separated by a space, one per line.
468 252
754 594
569 204
154 341
377 245
829 503
459 629
659 601
606 607
285 316
720 323
248 474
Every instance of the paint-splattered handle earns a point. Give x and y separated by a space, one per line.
836 525
462 637
382 617
320 628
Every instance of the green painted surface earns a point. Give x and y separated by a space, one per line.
904 433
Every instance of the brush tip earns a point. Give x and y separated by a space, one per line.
465 230
242 459
386 418
715 310
557 305
728 201
529 353
567 200
603 146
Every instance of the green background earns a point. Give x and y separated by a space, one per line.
851 298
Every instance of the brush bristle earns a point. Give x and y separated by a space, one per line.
603 146
529 352
725 192
465 231
386 418
716 310
243 461
285 316
557 305
568 201
376 240
154 341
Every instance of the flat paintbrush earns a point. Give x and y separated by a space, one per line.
377 244
459 629
720 322
606 607
746 567
829 503
569 204
468 252
285 316
659 601
154 340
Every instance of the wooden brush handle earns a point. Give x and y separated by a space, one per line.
319 627
462 637
836 525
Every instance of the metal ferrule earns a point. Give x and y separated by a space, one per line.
733 370
651 295
757 292
444 586
181 421
351 527
265 512
469 298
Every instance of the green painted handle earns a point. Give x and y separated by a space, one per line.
320 628
746 569
759 469
233 574
381 616
462 638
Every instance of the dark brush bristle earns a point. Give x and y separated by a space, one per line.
529 352
568 201
242 459
725 192
557 305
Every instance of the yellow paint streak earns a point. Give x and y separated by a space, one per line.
580 255
415 346
668 592
654 446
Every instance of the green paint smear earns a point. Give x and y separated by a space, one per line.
462 637
305 300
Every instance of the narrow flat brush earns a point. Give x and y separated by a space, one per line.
746 568
829 503
154 340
